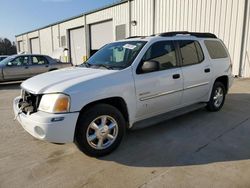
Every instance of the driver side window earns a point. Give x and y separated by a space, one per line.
162 52
20 61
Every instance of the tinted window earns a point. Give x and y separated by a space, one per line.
2 58
191 52
19 61
215 49
39 60
164 53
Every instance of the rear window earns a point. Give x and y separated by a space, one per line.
191 52
215 49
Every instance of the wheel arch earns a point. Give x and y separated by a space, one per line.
53 69
224 80
117 102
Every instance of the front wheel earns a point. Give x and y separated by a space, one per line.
99 130
217 97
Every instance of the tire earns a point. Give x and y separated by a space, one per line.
96 124
217 97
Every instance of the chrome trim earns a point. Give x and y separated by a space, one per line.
145 93
197 85
170 92
159 94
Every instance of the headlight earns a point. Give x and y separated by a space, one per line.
55 103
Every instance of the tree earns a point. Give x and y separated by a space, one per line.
6 47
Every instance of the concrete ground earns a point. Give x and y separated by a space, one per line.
199 149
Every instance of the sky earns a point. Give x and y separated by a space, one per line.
19 16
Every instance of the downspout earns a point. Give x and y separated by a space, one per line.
87 37
243 37
52 38
154 16
39 39
129 18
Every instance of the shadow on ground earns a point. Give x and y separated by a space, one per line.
199 137
10 85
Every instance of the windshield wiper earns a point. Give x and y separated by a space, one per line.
85 64
105 66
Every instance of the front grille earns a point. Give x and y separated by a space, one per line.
29 102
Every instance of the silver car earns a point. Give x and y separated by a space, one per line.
19 67
2 57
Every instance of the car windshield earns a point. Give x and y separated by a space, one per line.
118 55
2 58
6 60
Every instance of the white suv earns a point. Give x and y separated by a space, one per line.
127 83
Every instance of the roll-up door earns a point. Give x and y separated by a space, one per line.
34 46
77 45
20 46
100 34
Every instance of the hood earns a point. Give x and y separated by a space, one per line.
60 80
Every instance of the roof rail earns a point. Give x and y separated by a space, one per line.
196 34
132 37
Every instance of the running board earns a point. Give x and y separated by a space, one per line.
166 116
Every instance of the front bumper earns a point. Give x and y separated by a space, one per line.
56 128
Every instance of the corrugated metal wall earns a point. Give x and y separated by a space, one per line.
118 14
46 41
64 26
245 70
55 36
19 43
142 13
223 17
33 34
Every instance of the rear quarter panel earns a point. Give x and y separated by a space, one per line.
220 67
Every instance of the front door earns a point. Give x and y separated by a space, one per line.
16 69
160 91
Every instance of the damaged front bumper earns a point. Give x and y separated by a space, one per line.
56 128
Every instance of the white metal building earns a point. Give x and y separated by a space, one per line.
86 33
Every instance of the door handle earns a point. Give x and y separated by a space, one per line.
46 65
207 70
176 76
26 67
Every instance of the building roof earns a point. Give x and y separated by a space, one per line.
77 16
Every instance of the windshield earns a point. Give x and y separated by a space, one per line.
117 55
2 57
6 60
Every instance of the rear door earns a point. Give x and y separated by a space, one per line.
160 91
196 72
39 64
16 69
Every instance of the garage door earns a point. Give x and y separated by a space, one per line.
20 46
101 34
77 45
34 46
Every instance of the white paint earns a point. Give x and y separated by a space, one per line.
77 45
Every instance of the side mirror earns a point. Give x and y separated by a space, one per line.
150 66
9 64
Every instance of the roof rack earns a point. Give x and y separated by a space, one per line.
132 37
196 34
